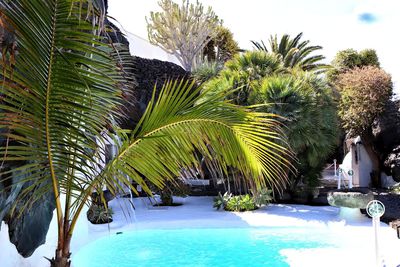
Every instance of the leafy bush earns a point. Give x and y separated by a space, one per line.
303 100
349 59
221 200
244 72
99 214
364 92
263 197
206 71
235 203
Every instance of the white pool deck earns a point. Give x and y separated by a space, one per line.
355 238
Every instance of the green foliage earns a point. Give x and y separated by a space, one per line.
243 202
306 103
294 52
221 200
349 59
369 58
182 30
263 197
244 72
206 71
364 92
395 189
222 47
62 94
303 99
240 203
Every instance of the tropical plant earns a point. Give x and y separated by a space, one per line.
244 72
221 200
206 71
222 47
263 197
243 202
303 99
364 92
60 97
240 203
306 103
99 214
294 52
182 30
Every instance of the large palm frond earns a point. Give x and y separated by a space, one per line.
294 53
182 122
57 96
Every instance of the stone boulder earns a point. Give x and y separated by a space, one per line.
28 231
350 198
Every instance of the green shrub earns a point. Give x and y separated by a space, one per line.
221 200
234 203
247 203
349 59
206 71
364 92
98 214
263 197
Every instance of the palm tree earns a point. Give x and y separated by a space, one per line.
306 103
244 72
294 53
60 98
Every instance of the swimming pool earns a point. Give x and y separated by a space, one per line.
200 247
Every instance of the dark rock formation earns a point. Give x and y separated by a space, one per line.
386 133
386 128
28 231
392 164
392 206
148 74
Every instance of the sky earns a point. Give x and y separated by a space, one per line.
333 24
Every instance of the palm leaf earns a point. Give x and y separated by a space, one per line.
180 122
58 96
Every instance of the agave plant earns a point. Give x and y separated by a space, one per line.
60 97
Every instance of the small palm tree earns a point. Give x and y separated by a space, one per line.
294 52
62 93
306 103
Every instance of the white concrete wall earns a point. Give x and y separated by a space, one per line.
364 167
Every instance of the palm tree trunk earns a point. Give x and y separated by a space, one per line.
62 254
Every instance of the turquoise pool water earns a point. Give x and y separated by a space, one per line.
198 247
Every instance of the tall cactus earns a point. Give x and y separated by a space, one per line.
182 30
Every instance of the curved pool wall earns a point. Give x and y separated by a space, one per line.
200 247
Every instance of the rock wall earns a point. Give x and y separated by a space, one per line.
149 73
386 133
